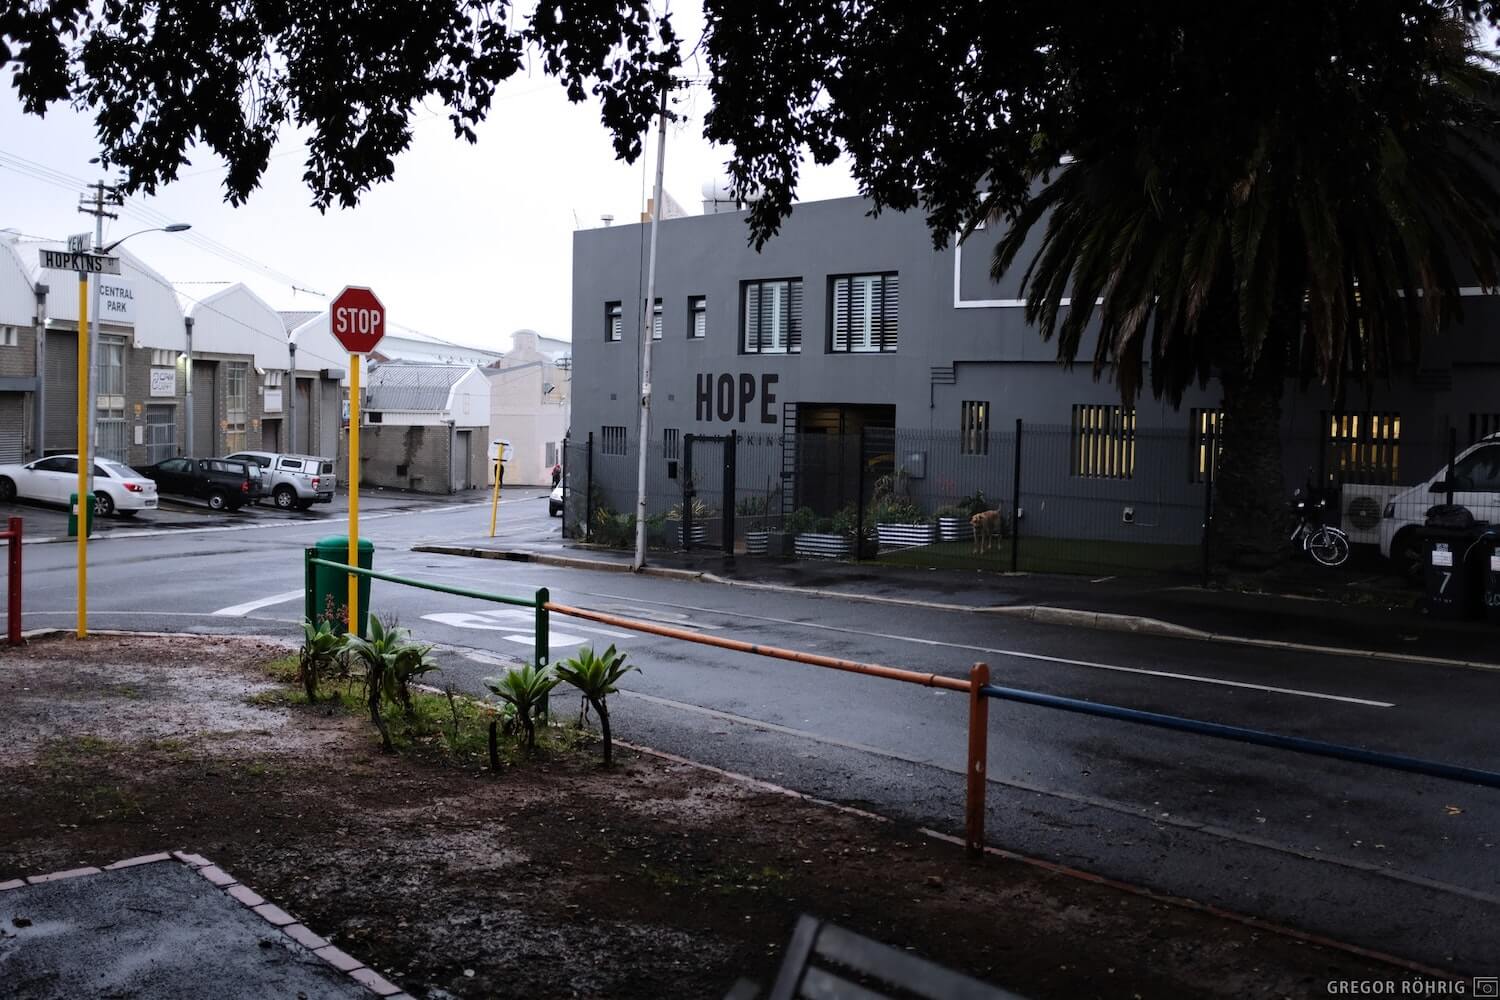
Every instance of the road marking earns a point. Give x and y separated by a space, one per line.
240 610
460 619
1042 657
529 617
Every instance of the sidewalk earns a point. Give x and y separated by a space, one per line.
1152 605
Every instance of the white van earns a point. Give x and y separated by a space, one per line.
1476 485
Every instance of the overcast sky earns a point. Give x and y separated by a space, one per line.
467 242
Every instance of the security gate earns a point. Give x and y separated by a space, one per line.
706 515
161 433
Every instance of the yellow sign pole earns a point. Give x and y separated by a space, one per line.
354 493
495 499
81 517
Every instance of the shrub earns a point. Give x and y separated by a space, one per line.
702 511
526 688
952 510
801 521
898 511
596 676
380 653
753 506
322 648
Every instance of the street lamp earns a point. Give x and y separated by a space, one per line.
92 454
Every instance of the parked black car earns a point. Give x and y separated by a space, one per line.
225 484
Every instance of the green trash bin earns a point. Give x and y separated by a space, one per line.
330 587
88 517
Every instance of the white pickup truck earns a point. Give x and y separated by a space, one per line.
293 480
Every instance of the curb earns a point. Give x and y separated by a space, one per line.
1039 613
281 921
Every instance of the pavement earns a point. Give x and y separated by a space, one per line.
1385 621
164 926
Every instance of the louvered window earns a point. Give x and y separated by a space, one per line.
773 317
697 317
1363 447
1205 442
612 321
974 425
1103 441
613 440
865 310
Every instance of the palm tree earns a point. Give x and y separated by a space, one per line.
1321 240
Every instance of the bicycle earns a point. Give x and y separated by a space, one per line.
1326 544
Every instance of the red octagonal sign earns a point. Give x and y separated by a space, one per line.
357 319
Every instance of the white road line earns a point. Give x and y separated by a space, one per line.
240 610
1018 654
516 615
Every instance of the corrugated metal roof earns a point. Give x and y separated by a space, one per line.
412 388
295 318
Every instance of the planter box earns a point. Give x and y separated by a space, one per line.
820 546
699 533
905 536
955 529
757 543
779 544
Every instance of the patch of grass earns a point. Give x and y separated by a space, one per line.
67 753
283 669
725 880
1056 555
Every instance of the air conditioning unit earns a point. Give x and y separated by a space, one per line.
1361 506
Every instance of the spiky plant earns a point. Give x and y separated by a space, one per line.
597 677
526 688
380 653
321 648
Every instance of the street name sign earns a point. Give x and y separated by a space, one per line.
357 320
80 243
83 263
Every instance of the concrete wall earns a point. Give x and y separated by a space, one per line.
416 456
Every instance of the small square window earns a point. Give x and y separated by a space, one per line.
974 427
613 321
613 441
8 336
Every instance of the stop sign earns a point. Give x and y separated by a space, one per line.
357 319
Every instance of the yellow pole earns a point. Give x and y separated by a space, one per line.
84 500
354 493
495 499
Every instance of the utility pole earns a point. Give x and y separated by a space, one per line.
291 397
94 204
187 376
648 310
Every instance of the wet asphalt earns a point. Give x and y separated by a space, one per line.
1390 861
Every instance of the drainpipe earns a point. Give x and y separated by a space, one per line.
39 398
187 369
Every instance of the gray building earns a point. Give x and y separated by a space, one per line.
849 324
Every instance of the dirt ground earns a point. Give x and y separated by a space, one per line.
552 878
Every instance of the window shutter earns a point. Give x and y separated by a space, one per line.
890 309
752 319
859 301
794 317
841 314
769 295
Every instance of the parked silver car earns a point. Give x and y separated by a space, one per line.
293 480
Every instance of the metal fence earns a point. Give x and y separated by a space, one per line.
1098 496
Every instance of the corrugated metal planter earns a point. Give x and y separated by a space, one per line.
905 536
757 543
815 545
699 533
955 529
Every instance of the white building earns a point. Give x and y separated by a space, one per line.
529 405
425 427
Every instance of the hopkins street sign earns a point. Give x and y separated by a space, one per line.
83 263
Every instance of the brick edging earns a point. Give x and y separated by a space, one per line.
300 936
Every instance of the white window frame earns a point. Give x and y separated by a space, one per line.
9 336
697 317
878 305
614 322
784 320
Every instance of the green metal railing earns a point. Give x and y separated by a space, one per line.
539 602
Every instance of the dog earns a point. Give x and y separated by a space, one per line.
987 526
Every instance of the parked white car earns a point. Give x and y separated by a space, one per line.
1476 485
118 489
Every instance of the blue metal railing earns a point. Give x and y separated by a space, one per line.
1239 734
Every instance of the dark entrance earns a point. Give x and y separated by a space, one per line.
839 452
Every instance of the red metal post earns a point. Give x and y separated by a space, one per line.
979 740
13 605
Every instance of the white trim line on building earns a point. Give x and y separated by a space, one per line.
959 302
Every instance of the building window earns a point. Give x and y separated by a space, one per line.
865 308
8 336
551 454
111 375
1363 447
612 441
236 404
1482 425
974 428
656 320
697 317
374 417
1103 441
272 380
163 359
1205 441
670 444
772 316
613 321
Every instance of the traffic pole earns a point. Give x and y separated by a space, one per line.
81 511
353 621
495 497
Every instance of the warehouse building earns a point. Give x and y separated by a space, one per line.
850 326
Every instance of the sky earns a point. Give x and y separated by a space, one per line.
467 243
